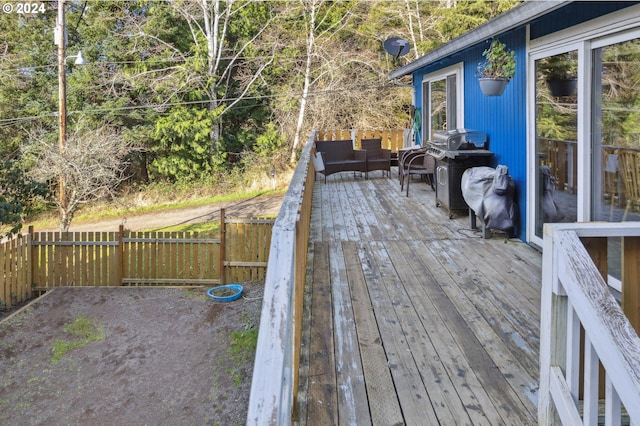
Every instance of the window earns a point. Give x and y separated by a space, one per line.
442 101
615 139
573 136
556 128
616 132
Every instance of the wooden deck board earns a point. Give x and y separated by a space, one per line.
322 397
365 222
409 387
369 207
490 359
352 396
426 332
415 319
450 333
384 410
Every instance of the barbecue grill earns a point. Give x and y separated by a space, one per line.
455 151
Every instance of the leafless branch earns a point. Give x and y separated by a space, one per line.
91 165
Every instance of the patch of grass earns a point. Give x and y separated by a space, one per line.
148 200
85 330
193 227
242 349
243 344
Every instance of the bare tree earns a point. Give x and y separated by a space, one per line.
92 165
318 28
413 14
218 62
211 20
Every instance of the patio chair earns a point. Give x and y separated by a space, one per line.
612 187
416 162
401 154
378 158
629 163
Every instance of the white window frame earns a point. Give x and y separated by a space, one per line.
442 74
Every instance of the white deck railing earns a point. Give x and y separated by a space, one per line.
275 371
574 294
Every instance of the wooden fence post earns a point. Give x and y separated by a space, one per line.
31 264
223 229
28 265
120 254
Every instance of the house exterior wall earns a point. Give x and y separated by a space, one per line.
504 118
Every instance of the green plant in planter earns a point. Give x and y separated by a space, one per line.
497 69
499 62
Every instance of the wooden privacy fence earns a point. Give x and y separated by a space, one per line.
15 272
392 139
38 261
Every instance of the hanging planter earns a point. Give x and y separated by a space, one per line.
560 73
562 87
497 70
493 86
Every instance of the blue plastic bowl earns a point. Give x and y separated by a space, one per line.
236 288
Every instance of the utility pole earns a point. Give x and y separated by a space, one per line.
62 93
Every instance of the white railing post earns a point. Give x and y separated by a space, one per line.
612 404
575 294
591 383
552 314
572 364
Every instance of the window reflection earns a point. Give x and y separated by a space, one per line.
556 139
438 106
616 132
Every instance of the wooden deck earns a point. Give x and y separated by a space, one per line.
414 318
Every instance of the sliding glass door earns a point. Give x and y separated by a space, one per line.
616 132
556 139
585 131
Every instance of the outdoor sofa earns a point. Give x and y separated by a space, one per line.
339 156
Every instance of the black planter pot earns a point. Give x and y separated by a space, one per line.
492 86
562 87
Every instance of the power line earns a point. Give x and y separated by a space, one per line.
22 69
156 107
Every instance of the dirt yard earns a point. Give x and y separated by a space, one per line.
159 357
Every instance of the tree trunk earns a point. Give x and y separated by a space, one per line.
307 83
212 30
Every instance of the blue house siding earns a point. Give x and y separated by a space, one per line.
503 118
